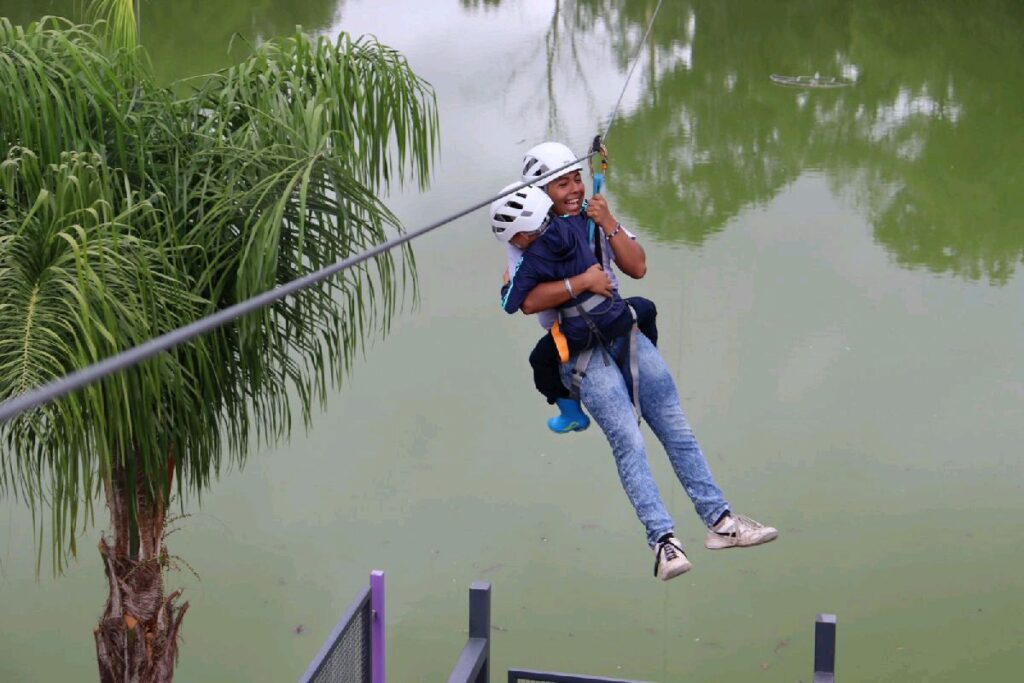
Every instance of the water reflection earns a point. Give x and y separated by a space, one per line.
923 141
208 28
926 142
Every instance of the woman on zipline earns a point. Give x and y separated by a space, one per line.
559 270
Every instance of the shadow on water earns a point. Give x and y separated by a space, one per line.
926 143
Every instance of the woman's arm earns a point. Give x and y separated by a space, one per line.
629 255
547 295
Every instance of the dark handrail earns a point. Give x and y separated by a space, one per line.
473 665
825 648
516 675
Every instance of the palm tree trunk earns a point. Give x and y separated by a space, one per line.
137 638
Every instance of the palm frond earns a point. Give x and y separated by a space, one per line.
126 211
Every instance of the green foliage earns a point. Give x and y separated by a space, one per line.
119 21
127 211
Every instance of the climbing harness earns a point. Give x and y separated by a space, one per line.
587 305
561 343
579 369
582 308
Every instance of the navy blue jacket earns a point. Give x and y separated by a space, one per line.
562 252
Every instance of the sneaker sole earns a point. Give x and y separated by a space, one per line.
574 427
677 572
718 543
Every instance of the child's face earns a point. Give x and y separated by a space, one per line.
523 239
566 193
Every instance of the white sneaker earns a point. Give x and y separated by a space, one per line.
737 531
669 559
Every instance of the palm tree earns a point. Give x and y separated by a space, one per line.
128 209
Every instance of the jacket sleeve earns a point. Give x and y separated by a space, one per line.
521 282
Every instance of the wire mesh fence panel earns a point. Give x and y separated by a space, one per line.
345 656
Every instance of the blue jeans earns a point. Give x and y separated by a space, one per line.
606 397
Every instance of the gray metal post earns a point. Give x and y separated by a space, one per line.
377 674
473 665
825 648
480 623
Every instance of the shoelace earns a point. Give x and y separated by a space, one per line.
666 550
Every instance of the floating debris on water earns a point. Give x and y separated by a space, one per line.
815 81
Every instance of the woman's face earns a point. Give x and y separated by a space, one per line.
566 193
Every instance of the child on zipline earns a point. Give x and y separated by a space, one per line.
599 280
554 251
537 222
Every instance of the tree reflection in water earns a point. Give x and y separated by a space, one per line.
927 142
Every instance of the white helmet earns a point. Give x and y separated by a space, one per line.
546 157
524 210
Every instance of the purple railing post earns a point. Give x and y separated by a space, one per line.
377 626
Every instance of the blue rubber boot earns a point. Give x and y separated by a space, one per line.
571 419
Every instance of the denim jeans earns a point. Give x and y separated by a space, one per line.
606 397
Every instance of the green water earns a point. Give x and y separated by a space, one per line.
837 275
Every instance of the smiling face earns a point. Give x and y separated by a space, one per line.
566 193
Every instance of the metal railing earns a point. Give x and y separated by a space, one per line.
825 648
354 651
527 676
824 661
474 665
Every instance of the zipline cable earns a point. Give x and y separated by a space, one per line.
17 405
125 359
636 59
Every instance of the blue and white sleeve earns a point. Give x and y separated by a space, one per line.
520 283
